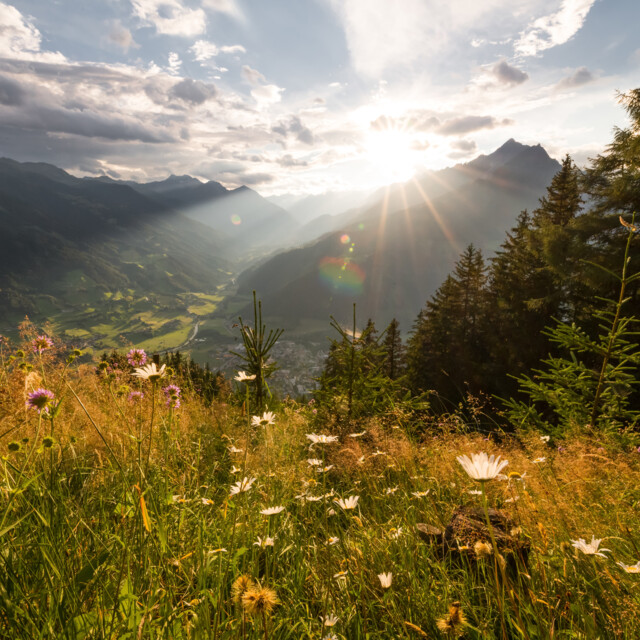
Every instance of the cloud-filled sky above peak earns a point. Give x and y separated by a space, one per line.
296 96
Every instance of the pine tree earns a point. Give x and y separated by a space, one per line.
394 361
448 347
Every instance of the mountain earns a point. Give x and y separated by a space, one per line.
112 259
247 220
392 256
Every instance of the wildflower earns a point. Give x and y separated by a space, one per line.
259 600
324 469
590 548
314 462
390 490
539 460
135 396
150 372
267 418
482 467
48 442
482 549
360 460
313 498
243 376
234 449
321 439
350 503
240 586
545 439
40 400
377 452
395 533
242 486
451 623
333 540
272 511
331 636
330 620
340 574
420 494
41 343
630 568
475 492
267 542
385 579
214 552
136 357
207 502
357 435
14 446
172 395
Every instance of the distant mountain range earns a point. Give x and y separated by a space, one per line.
109 258
391 255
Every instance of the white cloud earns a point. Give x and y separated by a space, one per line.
19 39
252 76
553 29
380 34
170 17
204 50
230 7
234 48
174 63
267 95
121 36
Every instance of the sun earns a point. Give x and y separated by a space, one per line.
392 152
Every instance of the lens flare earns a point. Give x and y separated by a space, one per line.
236 219
342 276
345 239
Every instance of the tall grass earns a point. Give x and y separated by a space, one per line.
95 543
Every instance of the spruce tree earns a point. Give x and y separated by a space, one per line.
394 361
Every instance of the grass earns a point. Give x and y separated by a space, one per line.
101 541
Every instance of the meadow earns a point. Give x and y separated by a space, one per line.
130 509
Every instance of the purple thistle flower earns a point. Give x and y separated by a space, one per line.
136 357
172 395
40 400
41 343
135 396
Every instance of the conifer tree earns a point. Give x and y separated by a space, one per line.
394 361
448 347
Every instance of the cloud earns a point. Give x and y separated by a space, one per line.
234 48
252 76
267 94
464 145
576 79
194 92
295 127
380 35
121 36
170 17
174 63
87 124
19 39
11 93
230 7
506 74
467 124
553 29
203 50
288 160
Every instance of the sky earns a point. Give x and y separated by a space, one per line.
308 96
